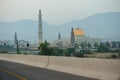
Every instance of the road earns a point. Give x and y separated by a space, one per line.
16 71
5 76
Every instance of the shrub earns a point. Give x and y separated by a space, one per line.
113 56
78 54
25 53
88 52
3 51
119 53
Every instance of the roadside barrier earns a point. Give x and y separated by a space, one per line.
104 69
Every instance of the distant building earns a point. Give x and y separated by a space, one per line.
77 39
114 45
64 43
59 43
80 38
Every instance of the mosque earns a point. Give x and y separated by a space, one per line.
81 38
77 38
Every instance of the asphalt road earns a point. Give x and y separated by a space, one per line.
16 71
6 76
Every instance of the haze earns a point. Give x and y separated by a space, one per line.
55 11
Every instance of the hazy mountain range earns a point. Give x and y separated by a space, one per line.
105 26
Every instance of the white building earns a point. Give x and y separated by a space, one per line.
80 38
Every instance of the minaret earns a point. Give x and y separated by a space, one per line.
72 38
59 41
59 36
40 31
15 40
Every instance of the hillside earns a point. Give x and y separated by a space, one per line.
104 26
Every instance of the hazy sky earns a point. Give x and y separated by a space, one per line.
55 11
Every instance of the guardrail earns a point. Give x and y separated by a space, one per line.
104 69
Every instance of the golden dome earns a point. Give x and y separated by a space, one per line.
78 32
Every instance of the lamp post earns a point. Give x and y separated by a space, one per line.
17 43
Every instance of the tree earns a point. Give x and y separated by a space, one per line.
78 54
103 48
44 48
107 44
66 52
57 51
96 45
89 45
82 45
71 50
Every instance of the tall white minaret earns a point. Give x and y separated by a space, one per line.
40 31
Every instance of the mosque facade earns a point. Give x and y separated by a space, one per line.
81 38
76 39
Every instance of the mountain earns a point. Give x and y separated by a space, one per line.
104 26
